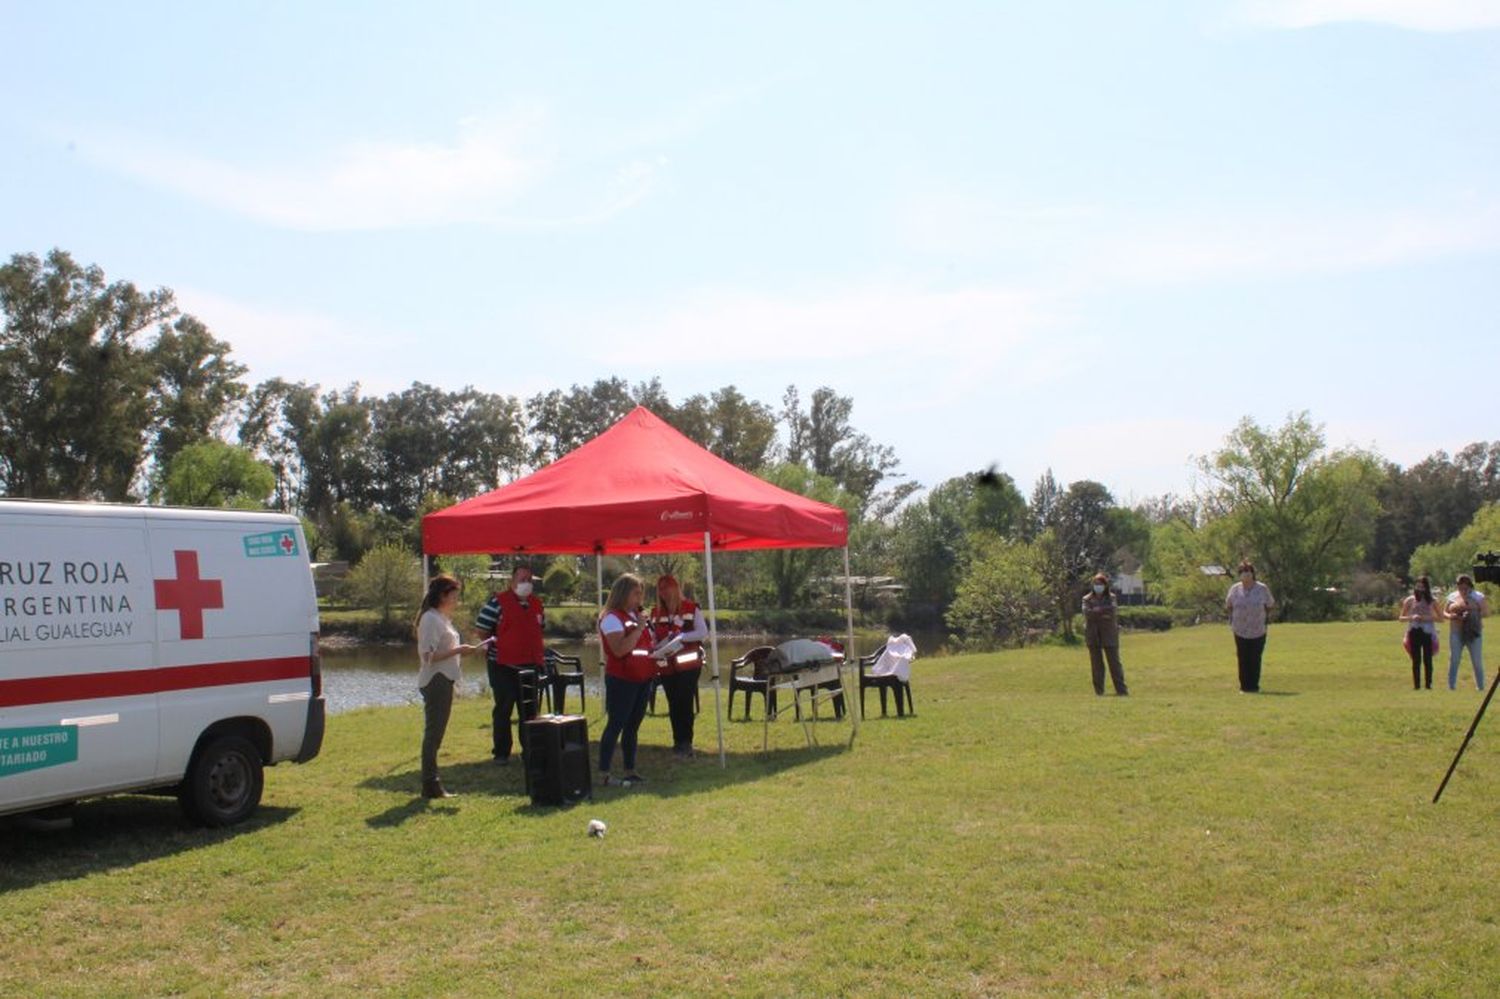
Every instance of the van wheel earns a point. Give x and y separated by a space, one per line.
223 783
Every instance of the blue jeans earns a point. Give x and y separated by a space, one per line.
1476 659
625 706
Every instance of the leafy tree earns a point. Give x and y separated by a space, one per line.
822 438
1304 513
740 431
75 381
1432 501
1443 562
1002 597
1078 543
1044 498
333 440
934 537
276 415
560 421
212 473
387 578
1180 550
197 386
790 572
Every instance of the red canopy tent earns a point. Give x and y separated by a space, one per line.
639 487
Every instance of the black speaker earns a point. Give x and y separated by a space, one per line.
556 751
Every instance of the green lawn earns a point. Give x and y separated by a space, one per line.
1019 836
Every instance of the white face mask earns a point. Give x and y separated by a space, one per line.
523 588
1098 587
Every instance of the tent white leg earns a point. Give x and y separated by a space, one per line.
599 606
426 570
713 642
850 655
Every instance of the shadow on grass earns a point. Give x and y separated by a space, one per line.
111 833
667 777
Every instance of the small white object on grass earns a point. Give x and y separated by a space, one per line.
597 828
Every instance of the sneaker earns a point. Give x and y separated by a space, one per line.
435 789
502 761
633 779
605 780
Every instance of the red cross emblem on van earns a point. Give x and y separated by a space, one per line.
189 595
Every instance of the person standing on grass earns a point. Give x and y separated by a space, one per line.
514 619
1101 632
625 635
1421 614
1249 604
1466 610
677 617
439 651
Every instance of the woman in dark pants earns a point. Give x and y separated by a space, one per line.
1249 604
628 671
1421 614
439 650
677 617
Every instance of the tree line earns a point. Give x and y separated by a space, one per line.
109 392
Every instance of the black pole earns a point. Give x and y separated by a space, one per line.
1469 735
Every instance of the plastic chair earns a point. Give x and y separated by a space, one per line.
558 681
751 684
883 683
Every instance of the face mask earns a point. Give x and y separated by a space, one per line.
1098 587
523 589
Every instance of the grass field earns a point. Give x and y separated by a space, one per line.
1019 836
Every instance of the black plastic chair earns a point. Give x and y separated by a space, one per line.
890 681
558 680
755 682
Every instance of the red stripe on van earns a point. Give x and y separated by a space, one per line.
124 683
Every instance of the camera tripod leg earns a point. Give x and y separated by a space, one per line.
1467 736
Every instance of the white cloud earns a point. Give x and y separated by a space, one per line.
1415 15
1070 249
1245 246
1150 454
297 344
864 323
492 172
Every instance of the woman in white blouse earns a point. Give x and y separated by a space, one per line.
439 649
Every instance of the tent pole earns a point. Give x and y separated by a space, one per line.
426 570
713 642
850 656
599 607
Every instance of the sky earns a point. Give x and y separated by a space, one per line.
1089 237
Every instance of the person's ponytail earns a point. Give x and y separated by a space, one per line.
438 588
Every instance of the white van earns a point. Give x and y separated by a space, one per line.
146 648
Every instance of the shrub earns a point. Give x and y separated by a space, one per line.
387 578
1147 618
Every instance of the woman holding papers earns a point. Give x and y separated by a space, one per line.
678 628
439 650
628 670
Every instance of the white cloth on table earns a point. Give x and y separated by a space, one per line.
900 650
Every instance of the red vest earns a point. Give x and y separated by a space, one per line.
664 625
637 666
518 637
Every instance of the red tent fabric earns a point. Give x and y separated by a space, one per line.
640 486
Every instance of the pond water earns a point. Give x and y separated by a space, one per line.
373 675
